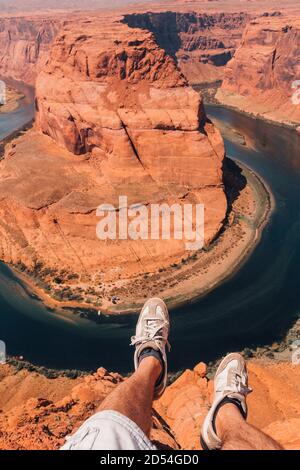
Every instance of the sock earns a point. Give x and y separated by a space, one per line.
147 352
233 401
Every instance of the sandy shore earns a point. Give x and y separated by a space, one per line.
246 221
262 117
209 92
195 276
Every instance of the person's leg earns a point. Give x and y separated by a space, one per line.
236 434
133 398
123 421
225 425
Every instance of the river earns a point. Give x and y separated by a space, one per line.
17 119
256 306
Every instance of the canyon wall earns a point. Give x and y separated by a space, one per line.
259 79
24 45
259 69
201 43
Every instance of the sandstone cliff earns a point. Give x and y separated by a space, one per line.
115 116
201 43
24 45
41 412
259 79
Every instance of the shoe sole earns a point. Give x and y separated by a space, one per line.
203 443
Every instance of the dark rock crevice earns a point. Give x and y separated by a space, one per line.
184 33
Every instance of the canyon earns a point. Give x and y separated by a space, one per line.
261 78
201 43
252 49
115 114
24 45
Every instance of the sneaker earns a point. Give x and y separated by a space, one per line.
231 386
151 338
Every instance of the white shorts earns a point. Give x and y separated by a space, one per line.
108 430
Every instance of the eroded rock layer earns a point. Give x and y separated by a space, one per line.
201 43
24 45
261 78
115 116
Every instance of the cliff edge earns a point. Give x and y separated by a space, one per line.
42 412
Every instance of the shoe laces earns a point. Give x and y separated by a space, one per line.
240 384
153 330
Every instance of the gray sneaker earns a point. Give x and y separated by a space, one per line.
152 331
231 386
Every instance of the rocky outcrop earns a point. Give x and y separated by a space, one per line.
42 412
260 78
120 97
201 43
24 45
273 405
115 117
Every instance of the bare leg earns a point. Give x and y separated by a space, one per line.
236 434
133 398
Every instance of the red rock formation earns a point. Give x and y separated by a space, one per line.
45 415
24 45
122 120
202 43
122 95
110 95
259 79
273 406
41 412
